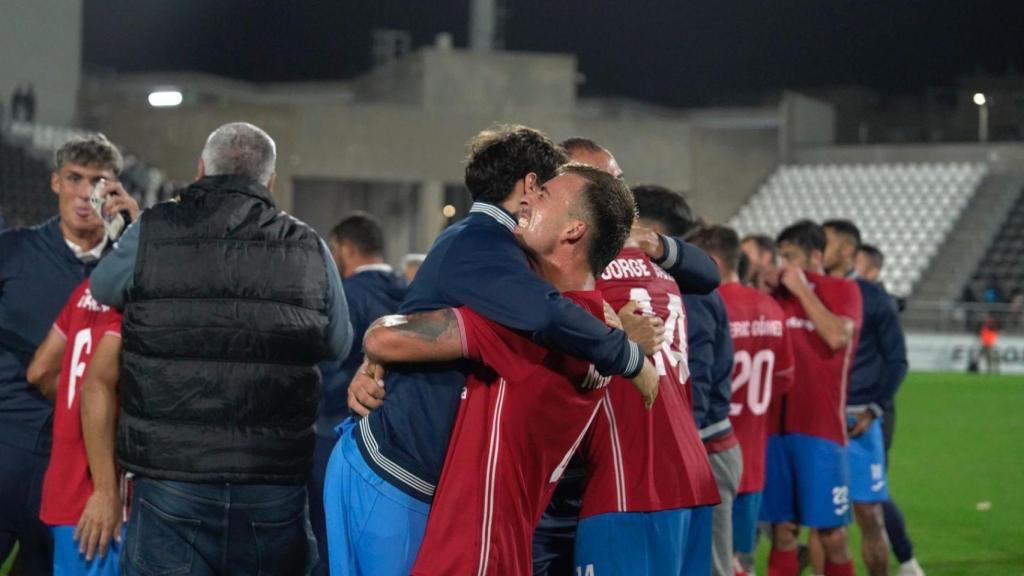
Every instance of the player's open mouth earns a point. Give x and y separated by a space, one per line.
524 219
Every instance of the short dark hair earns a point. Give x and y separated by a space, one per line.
844 228
92 150
668 208
806 234
580 143
363 230
720 241
872 252
764 243
501 156
608 209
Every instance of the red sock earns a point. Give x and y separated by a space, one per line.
844 569
739 573
783 563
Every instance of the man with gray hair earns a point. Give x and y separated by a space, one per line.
229 304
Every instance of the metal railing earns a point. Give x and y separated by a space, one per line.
960 317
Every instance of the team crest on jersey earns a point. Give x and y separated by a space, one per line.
87 302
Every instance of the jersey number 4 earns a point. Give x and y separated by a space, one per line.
756 374
673 349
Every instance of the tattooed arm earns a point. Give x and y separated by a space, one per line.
422 337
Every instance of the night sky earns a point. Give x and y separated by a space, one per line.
680 53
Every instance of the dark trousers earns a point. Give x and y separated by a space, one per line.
21 486
321 455
185 528
895 526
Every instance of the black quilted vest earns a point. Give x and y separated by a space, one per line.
223 325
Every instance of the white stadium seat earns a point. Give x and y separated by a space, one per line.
906 209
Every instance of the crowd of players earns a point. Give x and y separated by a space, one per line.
582 378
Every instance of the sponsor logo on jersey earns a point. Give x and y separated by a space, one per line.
87 302
799 323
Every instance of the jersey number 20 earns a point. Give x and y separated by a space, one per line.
756 374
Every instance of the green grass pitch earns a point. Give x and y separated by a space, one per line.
957 445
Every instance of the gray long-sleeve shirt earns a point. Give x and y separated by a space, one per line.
112 279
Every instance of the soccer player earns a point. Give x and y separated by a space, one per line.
710 360
372 289
522 417
81 501
762 256
762 373
653 487
806 469
879 367
397 451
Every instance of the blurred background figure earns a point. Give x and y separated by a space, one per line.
988 335
372 289
411 264
762 257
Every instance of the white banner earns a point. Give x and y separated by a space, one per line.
952 352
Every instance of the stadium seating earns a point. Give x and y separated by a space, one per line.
1004 260
905 209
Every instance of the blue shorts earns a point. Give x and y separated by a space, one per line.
653 545
373 528
745 510
866 453
806 482
68 561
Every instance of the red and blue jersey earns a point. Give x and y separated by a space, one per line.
477 263
816 405
641 460
67 485
762 372
522 416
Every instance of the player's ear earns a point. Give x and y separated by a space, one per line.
575 231
531 183
55 182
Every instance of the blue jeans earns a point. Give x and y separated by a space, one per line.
184 528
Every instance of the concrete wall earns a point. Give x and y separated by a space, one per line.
41 43
728 166
805 122
336 153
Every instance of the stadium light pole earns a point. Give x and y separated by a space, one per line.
982 103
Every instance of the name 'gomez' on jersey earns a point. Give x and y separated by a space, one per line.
816 405
641 460
67 484
762 372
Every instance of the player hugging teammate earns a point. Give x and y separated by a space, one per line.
583 378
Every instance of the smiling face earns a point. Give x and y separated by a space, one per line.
72 184
546 215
